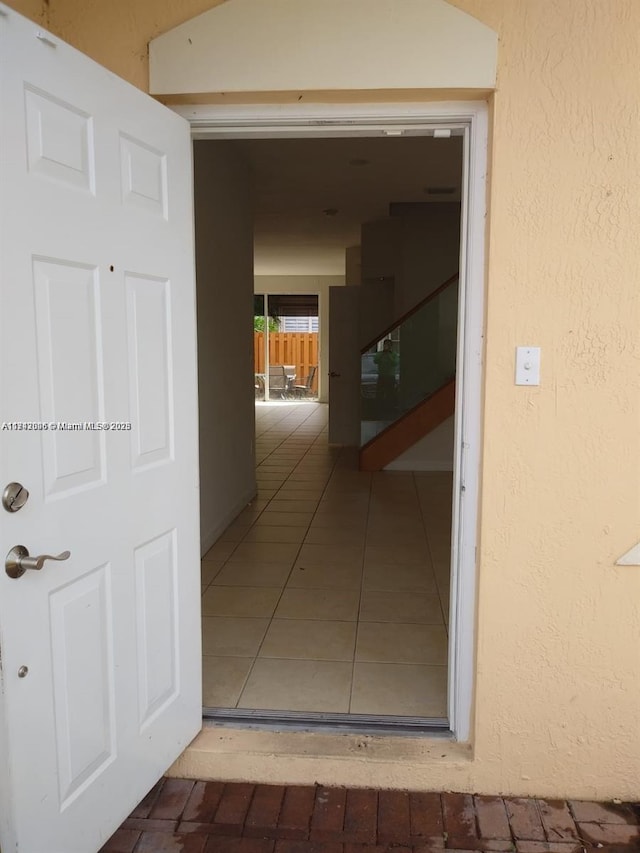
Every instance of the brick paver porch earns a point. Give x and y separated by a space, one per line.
182 816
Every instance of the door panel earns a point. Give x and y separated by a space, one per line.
144 176
156 599
344 366
84 699
150 368
97 326
59 140
67 323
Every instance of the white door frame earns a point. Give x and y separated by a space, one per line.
331 120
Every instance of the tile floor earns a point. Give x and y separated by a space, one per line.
330 592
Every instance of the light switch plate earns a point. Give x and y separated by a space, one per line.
527 365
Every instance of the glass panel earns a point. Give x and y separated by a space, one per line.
409 363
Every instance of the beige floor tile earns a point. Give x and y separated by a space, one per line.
393 479
309 639
290 505
315 463
266 552
323 555
436 518
284 519
252 511
253 574
267 494
388 495
398 554
336 577
234 534
298 685
288 494
442 574
270 481
223 679
402 607
391 642
440 537
335 536
219 552
208 570
434 477
356 505
242 522
239 601
313 511
314 479
273 533
340 520
343 487
231 635
446 606
395 522
399 690
398 578
352 478
440 552
329 604
383 534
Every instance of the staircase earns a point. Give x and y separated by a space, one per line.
408 385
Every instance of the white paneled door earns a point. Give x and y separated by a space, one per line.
344 367
100 652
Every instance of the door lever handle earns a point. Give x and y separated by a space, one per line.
18 561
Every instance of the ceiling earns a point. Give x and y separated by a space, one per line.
312 195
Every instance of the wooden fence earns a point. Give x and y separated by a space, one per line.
299 348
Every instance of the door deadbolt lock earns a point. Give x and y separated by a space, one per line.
14 497
18 561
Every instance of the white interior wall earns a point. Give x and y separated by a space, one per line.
353 266
434 452
429 253
320 285
224 275
376 309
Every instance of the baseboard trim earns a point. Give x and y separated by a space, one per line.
208 539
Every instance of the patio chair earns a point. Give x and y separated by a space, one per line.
278 382
305 390
258 384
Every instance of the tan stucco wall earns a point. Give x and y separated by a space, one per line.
36 10
558 697
558 670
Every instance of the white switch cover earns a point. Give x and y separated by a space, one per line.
527 365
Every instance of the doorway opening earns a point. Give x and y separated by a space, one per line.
285 346
347 564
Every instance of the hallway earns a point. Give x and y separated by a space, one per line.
330 592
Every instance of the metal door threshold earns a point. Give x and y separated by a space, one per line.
329 723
